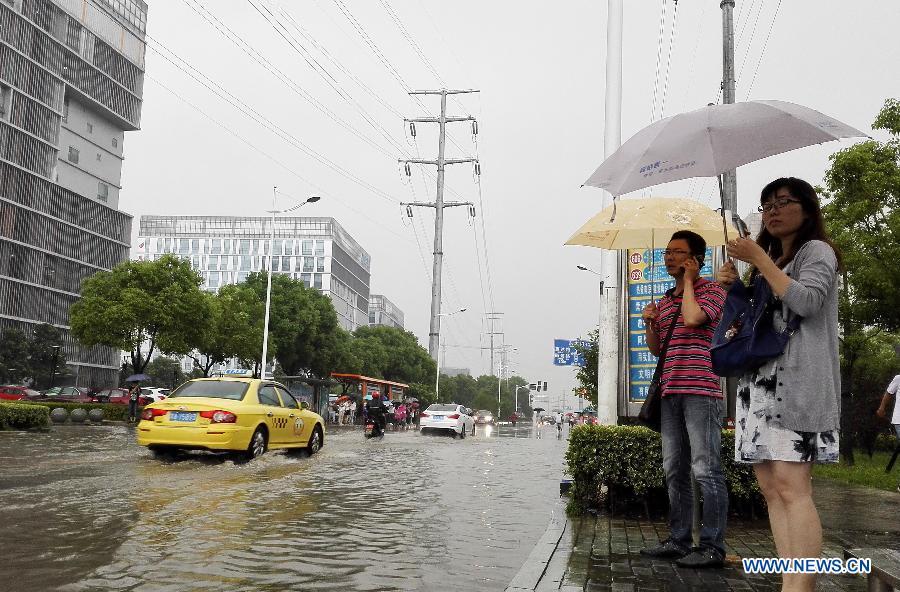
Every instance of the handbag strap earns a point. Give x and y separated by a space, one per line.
665 344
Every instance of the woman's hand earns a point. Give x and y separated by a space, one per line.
746 250
727 274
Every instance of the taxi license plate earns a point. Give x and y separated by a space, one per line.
438 417
183 416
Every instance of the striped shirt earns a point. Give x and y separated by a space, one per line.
687 369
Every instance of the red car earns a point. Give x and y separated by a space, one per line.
66 394
16 393
118 396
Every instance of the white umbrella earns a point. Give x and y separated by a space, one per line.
714 139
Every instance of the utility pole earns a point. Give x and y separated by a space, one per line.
438 205
493 317
729 178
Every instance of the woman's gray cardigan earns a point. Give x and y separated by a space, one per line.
808 392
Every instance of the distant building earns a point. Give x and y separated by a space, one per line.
753 220
71 85
384 312
226 249
456 372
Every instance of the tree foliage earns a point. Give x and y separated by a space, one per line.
153 304
392 354
38 356
234 328
164 372
587 374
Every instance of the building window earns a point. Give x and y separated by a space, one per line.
102 191
184 246
320 264
215 246
245 264
317 281
308 264
115 142
65 116
214 279
244 247
90 128
73 155
308 247
320 248
306 278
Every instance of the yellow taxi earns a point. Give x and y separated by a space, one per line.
230 413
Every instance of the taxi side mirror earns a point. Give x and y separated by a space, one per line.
304 405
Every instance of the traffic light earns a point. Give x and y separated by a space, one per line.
530 400
538 389
531 386
545 385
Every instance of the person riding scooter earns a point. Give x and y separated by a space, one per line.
376 411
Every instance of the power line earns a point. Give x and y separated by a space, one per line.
763 52
672 33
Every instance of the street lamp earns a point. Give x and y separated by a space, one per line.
524 386
274 212
53 367
437 375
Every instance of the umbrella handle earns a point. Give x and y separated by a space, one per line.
725 255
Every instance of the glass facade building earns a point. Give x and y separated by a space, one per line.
384 312
226 249
71 85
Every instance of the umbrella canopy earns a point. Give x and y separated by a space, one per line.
538 409
137 378
714 139
649 223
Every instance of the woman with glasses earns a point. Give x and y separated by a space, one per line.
788 410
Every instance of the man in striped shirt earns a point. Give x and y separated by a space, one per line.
692 404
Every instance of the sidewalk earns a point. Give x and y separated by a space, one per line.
601 552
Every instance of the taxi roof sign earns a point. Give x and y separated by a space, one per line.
238 372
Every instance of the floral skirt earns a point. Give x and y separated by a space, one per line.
759 437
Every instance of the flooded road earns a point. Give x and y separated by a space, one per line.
84 508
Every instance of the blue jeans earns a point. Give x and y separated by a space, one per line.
692 442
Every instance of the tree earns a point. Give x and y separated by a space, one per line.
15 365
303 328
153 304
165 372
234 328
863 218
587 374
45 355
403 359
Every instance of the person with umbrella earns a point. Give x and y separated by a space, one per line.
680 329
134 394
788 409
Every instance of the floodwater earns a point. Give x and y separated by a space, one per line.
84 508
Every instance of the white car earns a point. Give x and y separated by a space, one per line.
157 394
447 417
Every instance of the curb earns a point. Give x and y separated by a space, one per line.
544 568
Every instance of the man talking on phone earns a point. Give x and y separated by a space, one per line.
692 404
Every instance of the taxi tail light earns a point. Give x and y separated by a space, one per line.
424 414
454 416
219 416
149 414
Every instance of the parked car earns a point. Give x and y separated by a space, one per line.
447 417
16 393
66 394
155 393
119 396
483 416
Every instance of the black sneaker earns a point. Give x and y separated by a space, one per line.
701 558
667 549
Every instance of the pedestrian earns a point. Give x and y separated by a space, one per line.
558 420
352 411
342 412
891 393
134 394
788 410
692 404
400 415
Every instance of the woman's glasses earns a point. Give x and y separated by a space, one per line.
776 205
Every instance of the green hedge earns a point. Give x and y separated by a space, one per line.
628 461
14 416
110 412
885 442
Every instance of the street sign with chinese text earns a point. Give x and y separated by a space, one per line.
565 354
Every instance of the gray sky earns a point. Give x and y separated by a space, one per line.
540 69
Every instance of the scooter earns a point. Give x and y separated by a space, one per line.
373 429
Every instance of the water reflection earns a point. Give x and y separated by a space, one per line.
84 508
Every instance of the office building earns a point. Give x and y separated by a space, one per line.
384 312
226 249
71 85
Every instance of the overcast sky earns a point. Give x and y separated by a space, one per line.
540 68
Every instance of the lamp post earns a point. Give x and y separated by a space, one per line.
609 405
274 212
53 366
522 386
437 377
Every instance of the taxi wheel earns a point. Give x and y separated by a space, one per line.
315 441
257 445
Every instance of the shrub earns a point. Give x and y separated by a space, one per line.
886 442
111 412
14 416
627 460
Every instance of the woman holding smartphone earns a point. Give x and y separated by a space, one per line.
788 410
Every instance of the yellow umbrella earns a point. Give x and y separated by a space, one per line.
646 223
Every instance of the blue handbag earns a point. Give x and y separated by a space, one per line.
745 337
